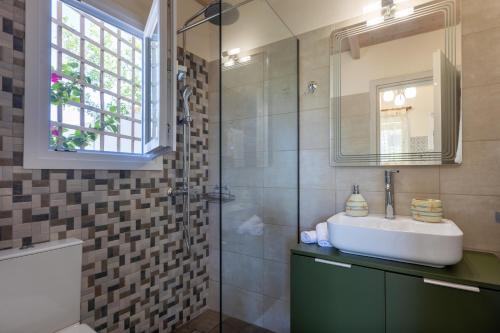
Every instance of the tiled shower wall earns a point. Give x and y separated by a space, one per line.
136 276
470 192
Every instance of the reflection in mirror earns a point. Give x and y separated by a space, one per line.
395 86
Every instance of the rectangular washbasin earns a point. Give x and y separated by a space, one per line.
401 239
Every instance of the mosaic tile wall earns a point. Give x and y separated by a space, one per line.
136 275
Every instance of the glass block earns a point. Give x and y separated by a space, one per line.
70 67
53 113
110 103
92 31
91 119
138 59
110 143
71 17
70 41
125 127
126 51
53 8
92 97
126 70
137 130
137 147
53 33
125 108
137 93
110 62
137 112
138 43
53 60
71 115
110 41
126 36
94 145
92 53
125 89
125 145
92 75
110 82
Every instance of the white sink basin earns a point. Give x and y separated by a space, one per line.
402 239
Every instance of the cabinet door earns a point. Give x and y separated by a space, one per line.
429 306
330 297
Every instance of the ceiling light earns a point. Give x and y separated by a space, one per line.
372 7
234 51
375 21
400 100
404 12
388 96
245 59
411 92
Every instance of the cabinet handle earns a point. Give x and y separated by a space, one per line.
452 285
333 263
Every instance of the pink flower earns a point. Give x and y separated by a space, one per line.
54 131
55 78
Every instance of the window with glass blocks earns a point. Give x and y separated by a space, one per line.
96 84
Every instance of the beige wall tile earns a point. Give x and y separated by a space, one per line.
276 282
315 129
315 169
479 174
481 52
316 205
314 48
475 215
480 15
481 116
277 242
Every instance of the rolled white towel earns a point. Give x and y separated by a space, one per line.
322 235
308 237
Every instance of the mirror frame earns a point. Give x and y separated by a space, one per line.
451 113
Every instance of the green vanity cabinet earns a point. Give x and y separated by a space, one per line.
333 292
415 305
328 296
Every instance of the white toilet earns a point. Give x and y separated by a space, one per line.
40 288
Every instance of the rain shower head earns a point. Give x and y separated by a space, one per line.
230 14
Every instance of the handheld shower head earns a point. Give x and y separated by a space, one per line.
187 92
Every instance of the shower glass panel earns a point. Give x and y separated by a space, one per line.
258 132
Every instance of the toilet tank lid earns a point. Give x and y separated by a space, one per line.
38 248
78 328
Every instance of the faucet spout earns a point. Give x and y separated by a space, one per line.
390 211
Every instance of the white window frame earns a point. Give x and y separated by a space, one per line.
37 154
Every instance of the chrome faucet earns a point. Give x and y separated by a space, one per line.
390 212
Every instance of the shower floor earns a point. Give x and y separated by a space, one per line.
208 322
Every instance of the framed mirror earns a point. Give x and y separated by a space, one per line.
395 85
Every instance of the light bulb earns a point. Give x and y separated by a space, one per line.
245 59
411 92
400 100
234 51
388 96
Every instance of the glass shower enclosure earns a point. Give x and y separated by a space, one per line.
254 168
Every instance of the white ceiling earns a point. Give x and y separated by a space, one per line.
306 15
